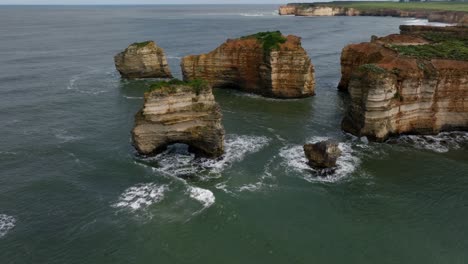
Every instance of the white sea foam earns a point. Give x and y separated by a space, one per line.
8 153
252 14
81 82
425 22
141 196
440 143
133 97
295 161
174 58
176 161
203 196
6 224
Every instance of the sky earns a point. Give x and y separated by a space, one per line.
119 2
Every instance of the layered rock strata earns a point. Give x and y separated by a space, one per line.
142 60
266 63
414 83
322 155
452 17
182 113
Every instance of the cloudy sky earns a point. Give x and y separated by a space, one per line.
118 2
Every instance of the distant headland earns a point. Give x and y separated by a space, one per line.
445 12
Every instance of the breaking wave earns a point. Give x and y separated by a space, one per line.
440 143
141 196
6 224
295 161
177 161
425 22
203 196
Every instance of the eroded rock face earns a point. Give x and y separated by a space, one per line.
282 72
142 60
321 9
397 93
322 155
179 114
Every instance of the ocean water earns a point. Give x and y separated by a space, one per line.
73 191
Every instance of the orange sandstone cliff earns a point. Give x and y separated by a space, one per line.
415 82
266 63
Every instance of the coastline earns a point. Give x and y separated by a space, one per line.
355 9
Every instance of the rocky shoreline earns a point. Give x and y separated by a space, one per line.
335 9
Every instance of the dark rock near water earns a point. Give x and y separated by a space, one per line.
322 155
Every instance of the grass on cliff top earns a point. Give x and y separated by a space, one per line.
411 6
443 47
171 86
371 67
270 39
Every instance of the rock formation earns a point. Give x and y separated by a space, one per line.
179 112
322 155
266 63
416 82
142 60
342 9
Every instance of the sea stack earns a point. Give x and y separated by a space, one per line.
322 155
265 63
142 60
412 83
179 112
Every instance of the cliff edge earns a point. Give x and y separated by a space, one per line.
414 82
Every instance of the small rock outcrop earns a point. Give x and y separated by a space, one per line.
322 155
179 112
413 83
142 60
265 63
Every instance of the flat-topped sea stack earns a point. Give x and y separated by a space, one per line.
142 60
179 112
453 13
412 83
265 63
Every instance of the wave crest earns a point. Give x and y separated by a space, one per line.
6 224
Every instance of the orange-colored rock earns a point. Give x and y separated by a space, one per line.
284 71
394 94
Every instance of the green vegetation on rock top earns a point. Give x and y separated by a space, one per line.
444 46
411 6
371 67
171 86
141 44
270 39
